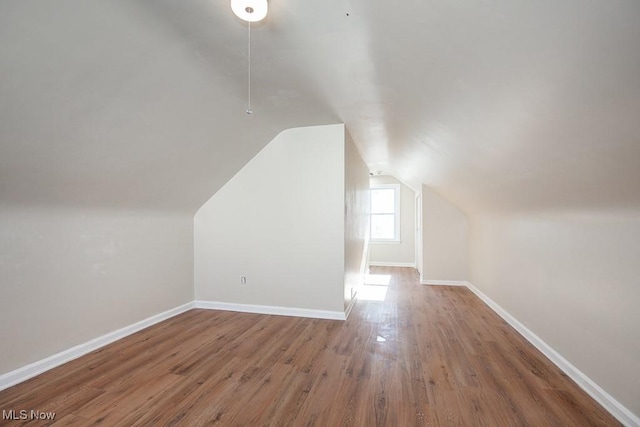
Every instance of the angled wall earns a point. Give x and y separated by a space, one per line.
280 222
444 239
569 281
573 281
356 225
72 274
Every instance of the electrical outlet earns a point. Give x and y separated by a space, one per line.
243 280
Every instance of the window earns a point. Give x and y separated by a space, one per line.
385 213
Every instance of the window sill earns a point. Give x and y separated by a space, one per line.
385 242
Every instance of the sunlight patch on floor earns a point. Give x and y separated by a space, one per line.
375 287
377 279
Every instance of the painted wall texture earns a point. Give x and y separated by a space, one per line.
572 280
445 241
280 222
70 275
356 226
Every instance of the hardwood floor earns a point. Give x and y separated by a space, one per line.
426 355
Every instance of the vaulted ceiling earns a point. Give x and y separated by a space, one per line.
499 105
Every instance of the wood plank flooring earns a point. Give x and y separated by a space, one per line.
425 356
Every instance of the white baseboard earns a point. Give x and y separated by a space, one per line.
392 264
268 309
624 415
444 282
347 312
36 368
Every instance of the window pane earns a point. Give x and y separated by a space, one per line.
383 200
383 226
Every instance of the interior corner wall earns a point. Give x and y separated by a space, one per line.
357 206
574 283
404 252
279 222
418 243
445 244
70 275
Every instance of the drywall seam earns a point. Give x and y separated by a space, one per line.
392 264
618 410
36 368
444 282
269 309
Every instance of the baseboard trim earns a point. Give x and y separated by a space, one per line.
444 282
352 304
392 264
624 415
36 368
274 310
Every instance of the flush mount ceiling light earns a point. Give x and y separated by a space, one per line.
250 10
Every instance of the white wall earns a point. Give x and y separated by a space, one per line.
280 221
392 253
444 239
357 207
574 281
419 245
70 275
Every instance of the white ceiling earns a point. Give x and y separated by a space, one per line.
499 105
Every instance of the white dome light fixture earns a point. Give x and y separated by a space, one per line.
250 10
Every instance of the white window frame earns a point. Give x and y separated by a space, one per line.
396 188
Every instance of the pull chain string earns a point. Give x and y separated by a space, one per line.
249 111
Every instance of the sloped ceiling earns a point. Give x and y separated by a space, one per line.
499 105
